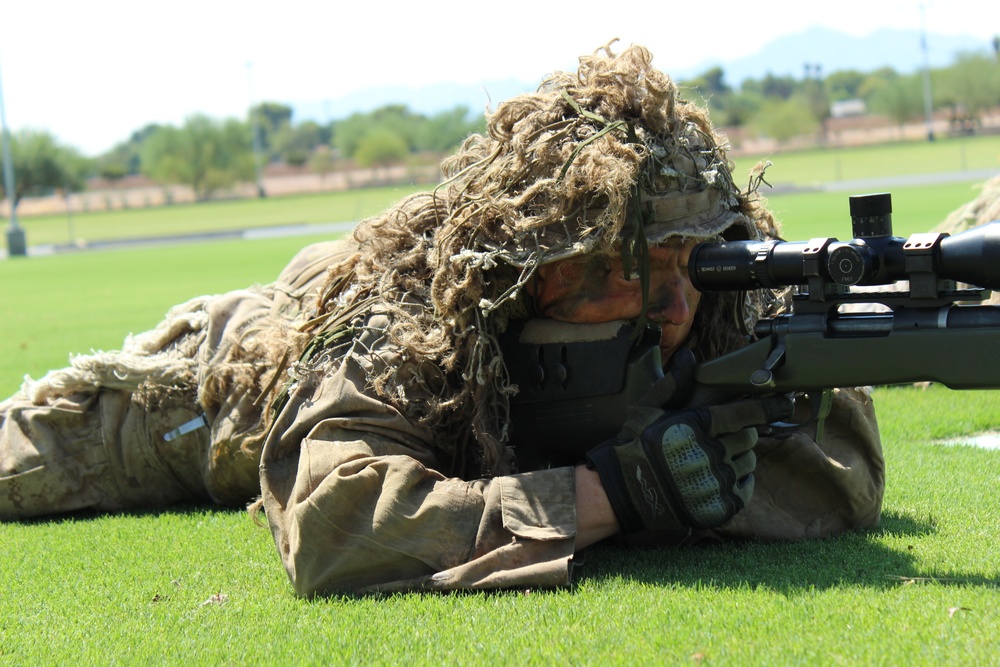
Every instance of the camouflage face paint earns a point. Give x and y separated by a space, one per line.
592 289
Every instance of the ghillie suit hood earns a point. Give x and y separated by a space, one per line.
606 159
985 208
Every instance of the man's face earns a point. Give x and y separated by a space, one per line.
592 289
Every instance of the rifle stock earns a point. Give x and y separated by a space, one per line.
960 358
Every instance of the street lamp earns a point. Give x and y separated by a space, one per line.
255 127
16 243
928 101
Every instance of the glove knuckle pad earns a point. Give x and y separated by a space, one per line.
693 464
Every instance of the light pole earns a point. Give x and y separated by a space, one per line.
255 127
16 243
928 102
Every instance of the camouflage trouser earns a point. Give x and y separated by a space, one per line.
165 419
128 429
102 450
93 436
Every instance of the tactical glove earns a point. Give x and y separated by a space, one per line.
672 470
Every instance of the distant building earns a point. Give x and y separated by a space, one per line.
848 108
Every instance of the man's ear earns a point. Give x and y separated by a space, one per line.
564 273
551 282
545 283
535 284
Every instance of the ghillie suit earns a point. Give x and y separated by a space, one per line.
608 159
982 210
386 466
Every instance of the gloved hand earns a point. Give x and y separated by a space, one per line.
685 468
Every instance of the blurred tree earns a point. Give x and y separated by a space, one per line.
740 108
204 153
294 143
271 117
783 119
380 147
439 133
709 89
42 165
816 100
347 133
112 169
709 84
971 85
875 81
446 130
844 84
321 162
781 87
395 118
400 120
125 158
901 99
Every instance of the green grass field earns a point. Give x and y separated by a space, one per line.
197 586
816 166
205 586
210 216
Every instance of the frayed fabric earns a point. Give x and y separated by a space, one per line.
154 357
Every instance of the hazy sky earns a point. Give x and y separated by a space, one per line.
92 71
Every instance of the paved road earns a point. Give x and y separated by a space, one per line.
871 184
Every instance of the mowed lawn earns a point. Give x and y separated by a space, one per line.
818 166
201 585
207 217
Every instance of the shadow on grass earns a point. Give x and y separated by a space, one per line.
857 559
852 559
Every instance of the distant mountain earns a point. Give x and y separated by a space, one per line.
426 99
829 49
832 51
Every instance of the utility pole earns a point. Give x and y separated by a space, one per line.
16 243
928 101
255 126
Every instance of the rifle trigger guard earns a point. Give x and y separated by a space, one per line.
764 377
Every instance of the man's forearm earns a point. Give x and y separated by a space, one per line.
595 519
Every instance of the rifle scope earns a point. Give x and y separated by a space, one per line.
873 257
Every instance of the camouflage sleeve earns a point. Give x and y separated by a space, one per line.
355 502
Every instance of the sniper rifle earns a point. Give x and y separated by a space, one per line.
930 330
